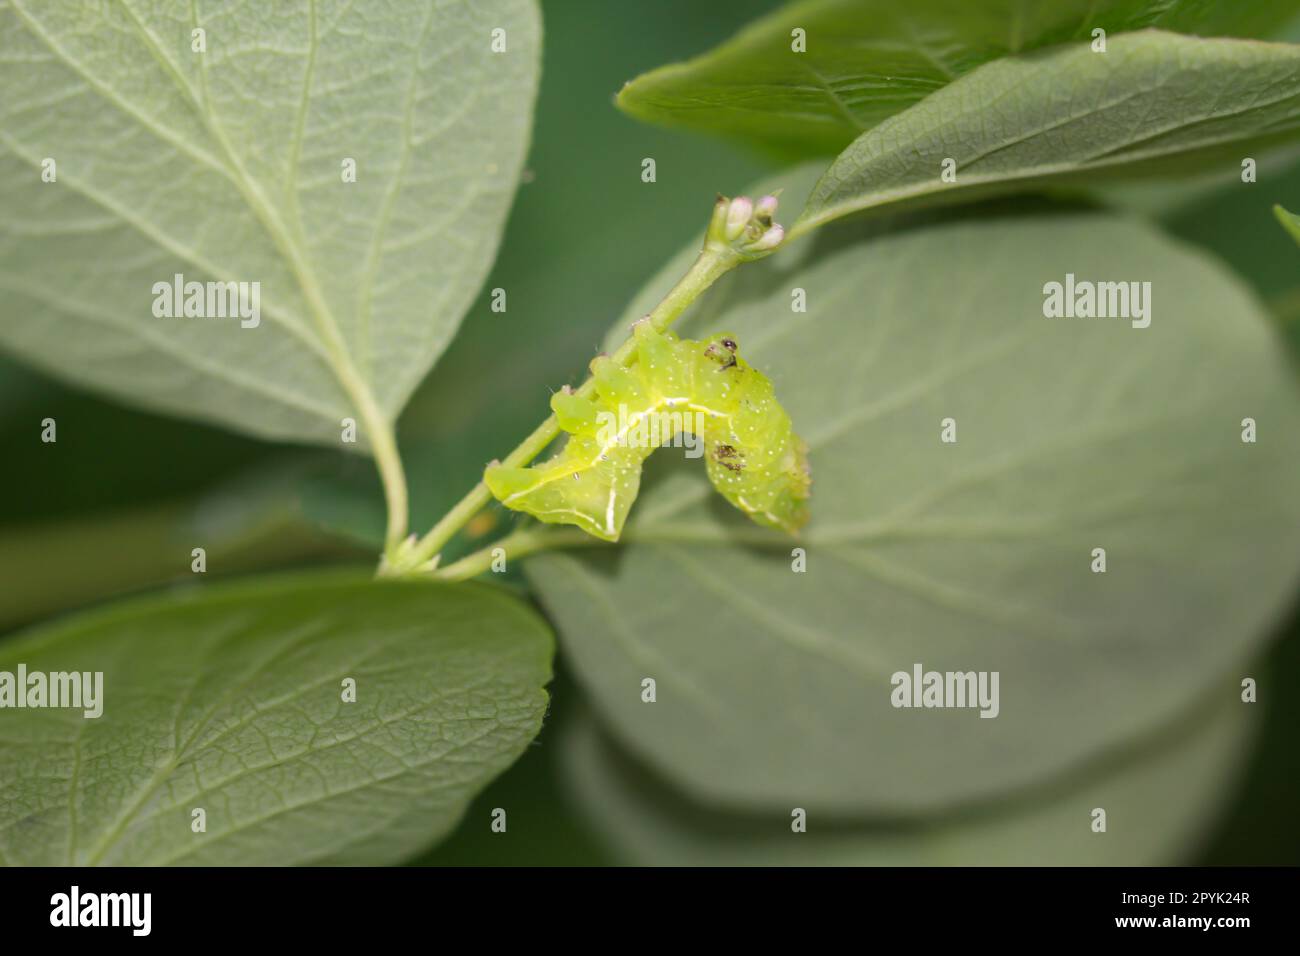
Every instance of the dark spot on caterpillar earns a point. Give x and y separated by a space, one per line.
724 454
728 358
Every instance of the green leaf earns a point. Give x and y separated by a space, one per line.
1158 801
1289 220
228 165
230 699
1068 114
1073 434
865 60
546 827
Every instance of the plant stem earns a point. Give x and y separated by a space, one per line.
389 463
514 545
709 266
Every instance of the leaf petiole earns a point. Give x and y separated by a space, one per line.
528 540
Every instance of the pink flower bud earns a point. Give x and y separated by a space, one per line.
738 217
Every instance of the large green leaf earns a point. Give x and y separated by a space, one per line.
546 828
1073 434
228 165
1069 113
865 60
1158 800
230 699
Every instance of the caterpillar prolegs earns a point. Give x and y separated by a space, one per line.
677 386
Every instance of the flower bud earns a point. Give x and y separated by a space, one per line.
738 216
718 222
768 241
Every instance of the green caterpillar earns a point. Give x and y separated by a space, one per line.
703 390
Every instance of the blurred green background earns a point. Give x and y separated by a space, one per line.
113 506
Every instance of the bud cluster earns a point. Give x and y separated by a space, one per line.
744 227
